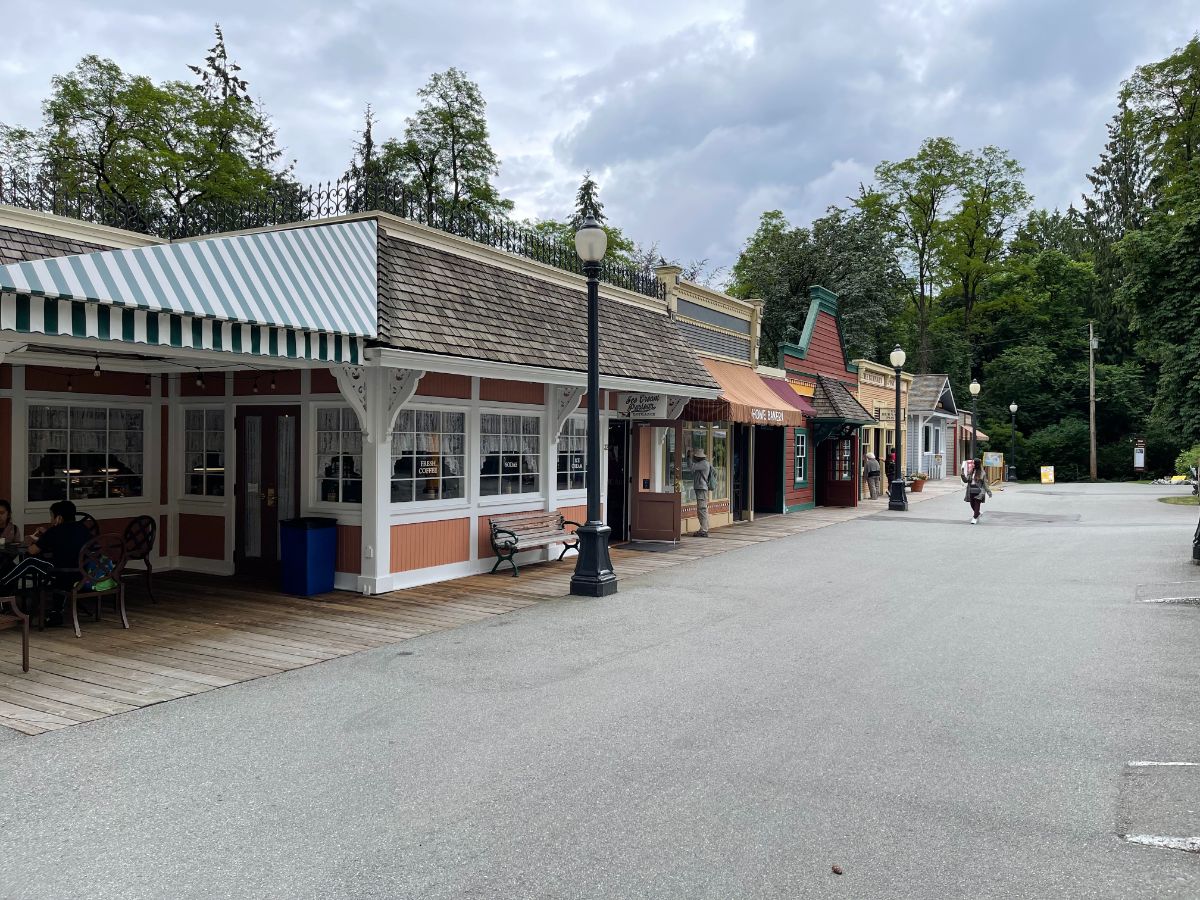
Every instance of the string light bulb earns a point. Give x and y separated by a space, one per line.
70 382
272 381
146 382
96 371
256 384
199 379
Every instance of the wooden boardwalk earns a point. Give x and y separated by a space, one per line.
207 632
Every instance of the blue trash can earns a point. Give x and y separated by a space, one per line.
307 548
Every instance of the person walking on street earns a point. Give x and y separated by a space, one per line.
978 489
871 467
703 476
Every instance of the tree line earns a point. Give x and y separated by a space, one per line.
946 254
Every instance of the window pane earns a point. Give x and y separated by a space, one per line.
452 488
193 419
454 422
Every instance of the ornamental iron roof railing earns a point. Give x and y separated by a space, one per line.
286 203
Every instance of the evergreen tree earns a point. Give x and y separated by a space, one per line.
587 202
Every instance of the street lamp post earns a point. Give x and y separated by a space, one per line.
594 576
896 498
1012 468
974 415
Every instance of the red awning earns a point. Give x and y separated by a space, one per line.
746 397
785 390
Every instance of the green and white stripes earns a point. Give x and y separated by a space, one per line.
306 288
23 314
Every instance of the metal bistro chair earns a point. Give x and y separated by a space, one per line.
139 545
91 558
90 524
18 619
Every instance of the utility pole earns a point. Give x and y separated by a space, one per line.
1092 398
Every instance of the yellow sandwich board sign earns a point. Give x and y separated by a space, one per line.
1047 474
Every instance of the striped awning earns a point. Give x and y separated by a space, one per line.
306 293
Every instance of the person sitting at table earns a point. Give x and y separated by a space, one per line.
9 532
53 550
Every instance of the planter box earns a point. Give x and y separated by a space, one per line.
917 486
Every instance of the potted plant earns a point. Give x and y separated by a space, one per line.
917 484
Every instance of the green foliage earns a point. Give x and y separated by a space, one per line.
153 148
446 153
848 251
1187 460
620 248
1063 445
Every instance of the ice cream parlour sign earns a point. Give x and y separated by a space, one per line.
644 406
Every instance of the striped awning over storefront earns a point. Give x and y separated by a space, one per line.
303 293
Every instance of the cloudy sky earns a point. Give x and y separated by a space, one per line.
694 115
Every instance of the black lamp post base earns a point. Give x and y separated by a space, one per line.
897 499
594 576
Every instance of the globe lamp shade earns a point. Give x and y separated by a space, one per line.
591 241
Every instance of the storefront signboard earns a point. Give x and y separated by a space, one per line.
644 406
767 416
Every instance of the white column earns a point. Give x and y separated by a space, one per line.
376 496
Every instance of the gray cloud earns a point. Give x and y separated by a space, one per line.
694 116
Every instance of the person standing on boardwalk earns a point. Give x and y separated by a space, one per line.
890 465
978 489
871 468
702 484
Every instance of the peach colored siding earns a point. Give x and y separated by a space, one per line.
122 384
511 391
439 384
286 383
348 557
424 544
201 536
5 447
323 382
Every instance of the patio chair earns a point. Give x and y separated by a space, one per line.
92 557
17 619
90 523
139 545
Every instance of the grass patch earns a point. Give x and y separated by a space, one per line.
1179 501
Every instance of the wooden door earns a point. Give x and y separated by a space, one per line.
656 506
268 484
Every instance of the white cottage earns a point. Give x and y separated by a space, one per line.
932 417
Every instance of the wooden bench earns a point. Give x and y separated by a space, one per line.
514 532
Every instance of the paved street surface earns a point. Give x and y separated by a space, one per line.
942 710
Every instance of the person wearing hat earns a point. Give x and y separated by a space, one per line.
702 479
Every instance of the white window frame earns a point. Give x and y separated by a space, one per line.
149 473
536 412
800 460
470 432
571 493
184 494
315 476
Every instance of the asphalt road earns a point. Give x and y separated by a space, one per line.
942 710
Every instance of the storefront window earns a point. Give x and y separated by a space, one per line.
801 456
720 460
695 437
85 453
510 447
339 456
572 455
844 460
428 455
204 448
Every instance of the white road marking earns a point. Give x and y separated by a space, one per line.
1149 762
1188 845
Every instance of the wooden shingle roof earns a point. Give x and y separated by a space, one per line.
434 301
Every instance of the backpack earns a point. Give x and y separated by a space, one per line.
98 575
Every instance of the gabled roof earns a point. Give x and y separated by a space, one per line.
928 391
433 300
833 400
821 300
